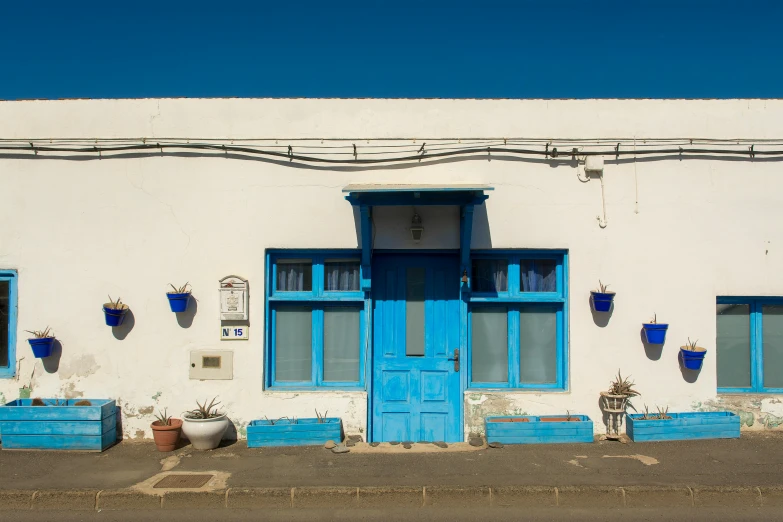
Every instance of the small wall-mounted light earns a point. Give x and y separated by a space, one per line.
417 229
465 276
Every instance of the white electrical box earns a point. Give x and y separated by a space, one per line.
594 164
212 364
234 299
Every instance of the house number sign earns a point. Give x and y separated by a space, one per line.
234 316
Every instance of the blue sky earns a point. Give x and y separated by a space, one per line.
488 49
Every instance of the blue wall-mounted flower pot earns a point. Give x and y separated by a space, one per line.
655 332
42 347
178 302
602 302
114 317
692 360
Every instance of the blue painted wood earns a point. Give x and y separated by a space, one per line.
419 199
304 432
684 426
537 432
61 427
9 370
416 397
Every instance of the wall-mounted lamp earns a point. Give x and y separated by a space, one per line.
417 229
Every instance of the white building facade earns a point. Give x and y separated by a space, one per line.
412 266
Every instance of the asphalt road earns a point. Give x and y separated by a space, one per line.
433 515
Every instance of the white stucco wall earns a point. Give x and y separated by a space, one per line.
78 230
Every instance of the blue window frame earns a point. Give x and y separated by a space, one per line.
749 344
517 320
8 311
316 320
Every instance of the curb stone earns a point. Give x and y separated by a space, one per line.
65 499
397 496
15 500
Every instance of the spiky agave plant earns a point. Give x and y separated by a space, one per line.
622 386
116 305
163 417
41 334
602 288
180 290
205 411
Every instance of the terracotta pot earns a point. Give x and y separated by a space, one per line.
512 419
166 437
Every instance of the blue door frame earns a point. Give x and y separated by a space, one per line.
417 384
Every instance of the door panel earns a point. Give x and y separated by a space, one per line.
416 383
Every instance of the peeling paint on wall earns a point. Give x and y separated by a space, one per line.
81 366
757 412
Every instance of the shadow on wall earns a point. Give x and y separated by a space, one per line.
689 375
653 351
52 363
601 319
121 332
481 237
185 319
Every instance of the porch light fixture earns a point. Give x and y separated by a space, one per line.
417 229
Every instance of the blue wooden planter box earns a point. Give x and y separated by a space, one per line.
305 432
684 426
536 432
63 427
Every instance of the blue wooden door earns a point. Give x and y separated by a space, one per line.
416 328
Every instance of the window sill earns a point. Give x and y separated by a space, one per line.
288 391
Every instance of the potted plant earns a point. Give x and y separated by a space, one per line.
42 342
682 426
601 298
294 432
615 401
654 331
692 355
179 298
59 424
542 429
114 311
204 426
166 431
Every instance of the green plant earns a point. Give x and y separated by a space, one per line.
181 290
692 345
622 386
41 334
601 287
663 414
163 417
205 411
321 418
116 305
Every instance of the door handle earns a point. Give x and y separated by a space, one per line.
455 359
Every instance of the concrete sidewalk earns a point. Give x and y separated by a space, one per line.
746 470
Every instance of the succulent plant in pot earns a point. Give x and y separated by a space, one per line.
114 311
179 298
42 342
692 355
205 425
602 298
614 403
166 431
655 332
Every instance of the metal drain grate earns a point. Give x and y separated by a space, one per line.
183 481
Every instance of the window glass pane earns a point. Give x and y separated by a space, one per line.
772 333
538 275
295 275
490 275
537 345
341 276
414 311
733 345
489 345
341 344
5 318
293 344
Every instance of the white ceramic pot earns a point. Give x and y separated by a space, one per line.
204 434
